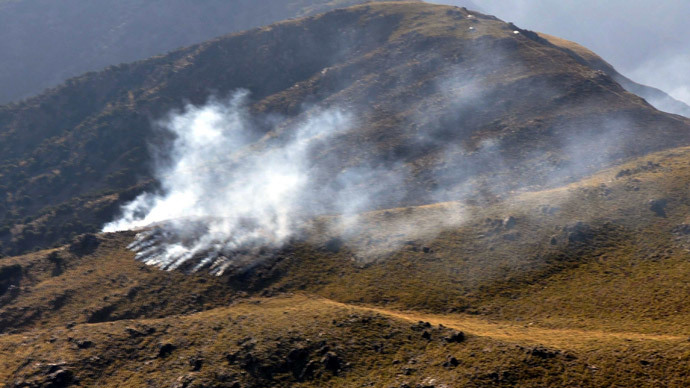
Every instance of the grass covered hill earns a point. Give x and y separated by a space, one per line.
434 88
584 287
540 236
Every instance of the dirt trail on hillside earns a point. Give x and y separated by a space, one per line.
525 334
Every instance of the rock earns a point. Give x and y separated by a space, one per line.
84 244
421 325
196 363
451 362
58 263
331 362
84 344
139 333
21 383
183 381
13 290
428 382
165 349
10 275
658 206
509 222
333 245
543 352
308 371
297 361
58 379
579 232
427 250
426 335
455 337
297 355
624 172
650 166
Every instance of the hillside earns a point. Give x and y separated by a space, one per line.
586 287
654 96
395 194
44 42
433 88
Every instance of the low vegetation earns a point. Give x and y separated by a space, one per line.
602 304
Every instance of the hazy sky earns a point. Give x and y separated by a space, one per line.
647 41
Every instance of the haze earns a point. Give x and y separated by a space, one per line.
643 39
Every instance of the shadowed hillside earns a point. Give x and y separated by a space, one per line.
655 96
461 104
45 42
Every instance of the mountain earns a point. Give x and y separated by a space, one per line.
524 219
585 286
433 88
45 42
655 96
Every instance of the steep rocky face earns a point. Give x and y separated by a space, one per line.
458 103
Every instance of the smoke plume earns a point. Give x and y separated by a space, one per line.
216 200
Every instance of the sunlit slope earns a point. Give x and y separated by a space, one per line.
310 342
607 253
458 102
583 284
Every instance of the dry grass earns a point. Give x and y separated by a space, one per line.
382 347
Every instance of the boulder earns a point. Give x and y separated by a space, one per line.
84 244
658 206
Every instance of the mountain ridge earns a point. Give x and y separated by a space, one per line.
123 101
655 96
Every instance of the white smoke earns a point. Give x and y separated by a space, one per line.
216 199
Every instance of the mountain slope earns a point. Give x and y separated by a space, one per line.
655 96
459 103
603 305
538 234
44 43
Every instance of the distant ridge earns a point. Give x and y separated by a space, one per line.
654 96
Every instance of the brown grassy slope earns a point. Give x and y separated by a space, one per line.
431 94
57 287
289 342
593 255
604 298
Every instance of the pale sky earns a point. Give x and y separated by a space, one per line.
647 41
